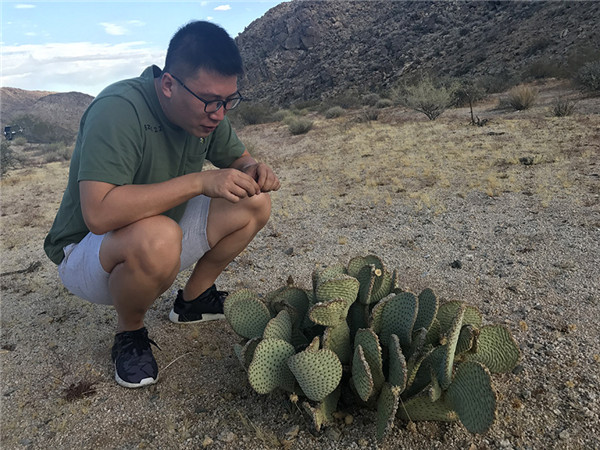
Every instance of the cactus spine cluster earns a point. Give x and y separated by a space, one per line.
356 334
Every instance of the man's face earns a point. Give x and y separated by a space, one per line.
187 111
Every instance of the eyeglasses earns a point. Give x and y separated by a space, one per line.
214 105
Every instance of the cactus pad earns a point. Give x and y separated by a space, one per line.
428 306
496 349
397 364
292 298
447 312
466 339
320 276
279 327
343 286
268 369
247 315
472 397
329 314
318 372
234 297
369 342
358 262
337 339
377 313
361 374
421 407
398 318
444 369
245 353
387 404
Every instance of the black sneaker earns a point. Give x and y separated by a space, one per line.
135 365
207 306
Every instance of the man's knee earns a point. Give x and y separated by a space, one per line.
152 245
160 245
261 208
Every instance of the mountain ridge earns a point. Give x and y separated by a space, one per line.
312 50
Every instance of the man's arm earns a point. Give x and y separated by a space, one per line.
260 172
108 207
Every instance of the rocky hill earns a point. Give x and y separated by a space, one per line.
302 50
44 116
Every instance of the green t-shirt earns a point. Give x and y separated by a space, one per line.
125 138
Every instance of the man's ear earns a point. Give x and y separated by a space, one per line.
166 84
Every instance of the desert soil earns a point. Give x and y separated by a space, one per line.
519 241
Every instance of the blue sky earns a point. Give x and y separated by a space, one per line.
85 45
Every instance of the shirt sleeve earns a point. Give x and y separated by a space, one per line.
111 142
224 146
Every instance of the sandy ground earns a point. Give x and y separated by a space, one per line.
528 244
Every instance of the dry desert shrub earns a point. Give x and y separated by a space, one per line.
522 97
300 126
562 107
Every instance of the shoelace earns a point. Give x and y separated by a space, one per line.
139 342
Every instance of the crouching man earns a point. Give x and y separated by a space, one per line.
138 208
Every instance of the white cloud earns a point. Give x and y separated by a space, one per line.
79 66
223 8
113 29
24 6
136 23
210 18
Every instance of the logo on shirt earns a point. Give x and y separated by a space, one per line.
156 128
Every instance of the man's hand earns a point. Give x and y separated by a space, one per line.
230 184
263 175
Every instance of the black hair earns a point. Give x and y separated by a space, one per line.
203 45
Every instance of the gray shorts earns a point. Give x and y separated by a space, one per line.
83 275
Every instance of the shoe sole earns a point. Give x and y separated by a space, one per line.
174 317
145 382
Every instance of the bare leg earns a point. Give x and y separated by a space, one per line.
143 260
230 228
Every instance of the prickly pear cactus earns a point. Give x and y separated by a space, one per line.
356 333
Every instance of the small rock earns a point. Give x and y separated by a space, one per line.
363 443
505 443
526 160
226 436
518 369
333 434
348 419
207 441
289 251
292 432
564 435
456 264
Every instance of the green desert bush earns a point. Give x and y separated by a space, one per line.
347 100
251 114
588 77
300 126
427 97
384 103
57 151
370 114
370 99
332 113
21 140
7 158
522 97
